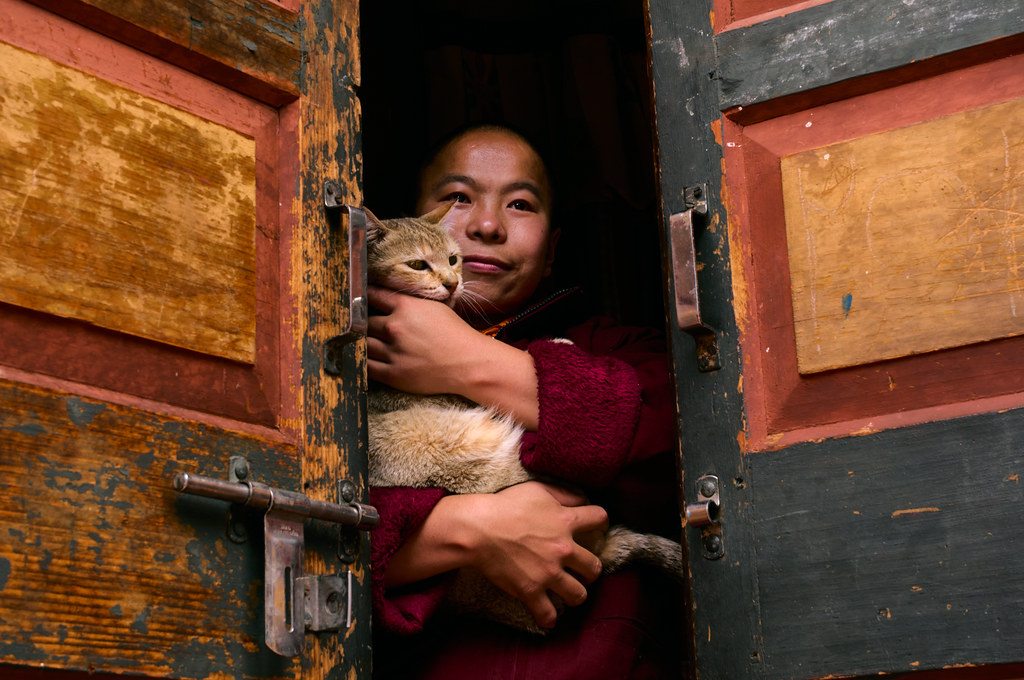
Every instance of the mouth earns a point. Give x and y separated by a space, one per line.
481 264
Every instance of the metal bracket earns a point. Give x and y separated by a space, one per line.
682 231
328 599
705 513
294 602
358 306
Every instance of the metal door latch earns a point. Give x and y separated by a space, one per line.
358 305
294 601
705 513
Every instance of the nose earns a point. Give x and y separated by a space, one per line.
487 223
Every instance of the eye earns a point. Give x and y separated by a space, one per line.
418 265
520 204
453 260
456 197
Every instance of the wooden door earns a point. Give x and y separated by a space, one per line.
168 280
861 267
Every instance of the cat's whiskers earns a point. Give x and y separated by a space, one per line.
475 304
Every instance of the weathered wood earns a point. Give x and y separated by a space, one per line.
784 405
737 636
124 212
252 47
333 408
103 565
213 629
709 404
847 39
899 245
871 560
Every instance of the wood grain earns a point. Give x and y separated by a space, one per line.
843 40
124 212
103 565
908 241
893 552
251 47
333 416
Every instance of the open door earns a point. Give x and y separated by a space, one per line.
169 283
861 266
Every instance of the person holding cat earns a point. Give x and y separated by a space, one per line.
598 415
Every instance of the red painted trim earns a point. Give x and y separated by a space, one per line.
269 434
730 14
42 344
784 407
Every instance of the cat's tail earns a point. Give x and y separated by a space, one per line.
623 546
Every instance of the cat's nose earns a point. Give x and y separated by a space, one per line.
451 285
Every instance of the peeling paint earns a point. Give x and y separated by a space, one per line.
913 511
81 412
30 429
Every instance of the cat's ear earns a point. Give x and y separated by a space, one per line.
375 229
438 214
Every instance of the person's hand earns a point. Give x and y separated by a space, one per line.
417 345
526 545
524 539
422 346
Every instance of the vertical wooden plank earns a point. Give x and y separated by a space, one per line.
723 609
333 421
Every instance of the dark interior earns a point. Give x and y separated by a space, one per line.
572 75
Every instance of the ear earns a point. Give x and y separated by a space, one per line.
437 215
375 229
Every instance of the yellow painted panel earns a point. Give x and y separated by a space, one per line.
124 212
909 240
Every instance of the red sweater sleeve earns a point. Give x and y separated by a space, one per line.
605 401
402 511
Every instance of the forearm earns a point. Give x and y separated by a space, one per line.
440 544
504 378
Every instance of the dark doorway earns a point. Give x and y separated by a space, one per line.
573 76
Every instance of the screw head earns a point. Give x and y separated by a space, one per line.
241 469
713 544
708 488
347 491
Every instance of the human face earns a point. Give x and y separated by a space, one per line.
501 217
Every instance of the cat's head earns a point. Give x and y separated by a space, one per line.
415 255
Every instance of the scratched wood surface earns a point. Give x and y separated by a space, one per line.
868 559
153 587
252 47
124 212
824 51
333 422
103 565
908 241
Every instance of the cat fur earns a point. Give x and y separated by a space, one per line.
450 442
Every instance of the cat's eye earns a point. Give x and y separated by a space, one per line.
453 260
418 265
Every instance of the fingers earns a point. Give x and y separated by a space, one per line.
543 610
563 495
381 299
589 518
585 564
566 587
